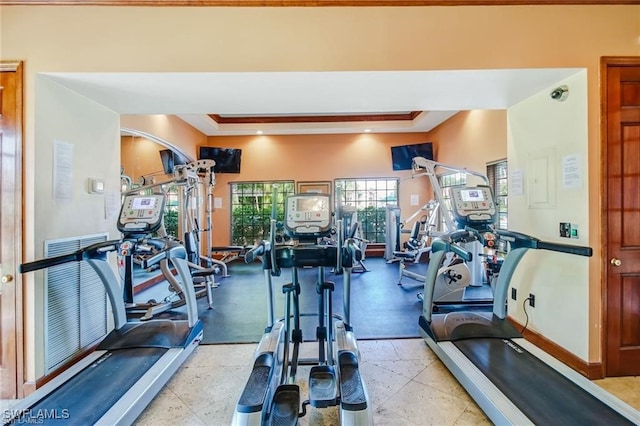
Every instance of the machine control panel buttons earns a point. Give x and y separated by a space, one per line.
308 214
141 213
473 205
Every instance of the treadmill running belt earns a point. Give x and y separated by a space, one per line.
539 391
87 396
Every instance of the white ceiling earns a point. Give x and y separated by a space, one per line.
440 94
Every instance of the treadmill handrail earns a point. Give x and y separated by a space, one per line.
518 239
520 243
95 256
94 251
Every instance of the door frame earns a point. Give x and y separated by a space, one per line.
605 63
14 292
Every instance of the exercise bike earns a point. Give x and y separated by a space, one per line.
271 395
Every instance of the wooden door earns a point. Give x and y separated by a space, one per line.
621 82
10 228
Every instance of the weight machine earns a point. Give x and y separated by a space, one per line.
188 178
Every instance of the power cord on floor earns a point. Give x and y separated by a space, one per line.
524 308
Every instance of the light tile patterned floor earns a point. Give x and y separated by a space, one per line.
407 385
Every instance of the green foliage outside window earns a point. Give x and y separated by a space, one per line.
373 223
171 222
251 206
370 197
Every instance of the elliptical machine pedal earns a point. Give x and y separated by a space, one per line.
323 386
352 393
285 406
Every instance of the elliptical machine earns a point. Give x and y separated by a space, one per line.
271 395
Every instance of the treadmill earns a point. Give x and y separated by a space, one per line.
512 380
114 384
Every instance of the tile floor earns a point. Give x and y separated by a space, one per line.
406 382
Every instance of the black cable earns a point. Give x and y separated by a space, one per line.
524 308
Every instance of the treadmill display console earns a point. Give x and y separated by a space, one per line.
473 205
308 215
141 213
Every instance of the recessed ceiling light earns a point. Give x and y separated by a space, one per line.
258 132
367 130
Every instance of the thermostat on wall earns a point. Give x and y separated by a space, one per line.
96 186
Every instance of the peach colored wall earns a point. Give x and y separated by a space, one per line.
308 158
469 139
472 139
141 157
168 128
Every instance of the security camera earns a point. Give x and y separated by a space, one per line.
560 93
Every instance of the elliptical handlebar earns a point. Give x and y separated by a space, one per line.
275 269
172 249
353 249
340 232
260 249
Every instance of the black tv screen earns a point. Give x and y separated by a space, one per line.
170 159
402 156
227 159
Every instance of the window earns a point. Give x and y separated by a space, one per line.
171 212
498 178
251 204
370 197
448 181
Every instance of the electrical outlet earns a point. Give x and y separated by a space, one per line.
514 294
532 300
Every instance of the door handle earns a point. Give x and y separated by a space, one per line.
7 279
615 261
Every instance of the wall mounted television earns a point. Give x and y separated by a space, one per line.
170 159
402 156
227 159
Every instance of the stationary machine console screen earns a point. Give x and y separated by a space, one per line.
472 195
141 213
473 206
308 215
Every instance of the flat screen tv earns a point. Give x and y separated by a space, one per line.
402 156
227 159
170 159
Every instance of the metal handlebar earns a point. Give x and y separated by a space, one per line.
440 244
518 239
258 250
93 251
352 248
